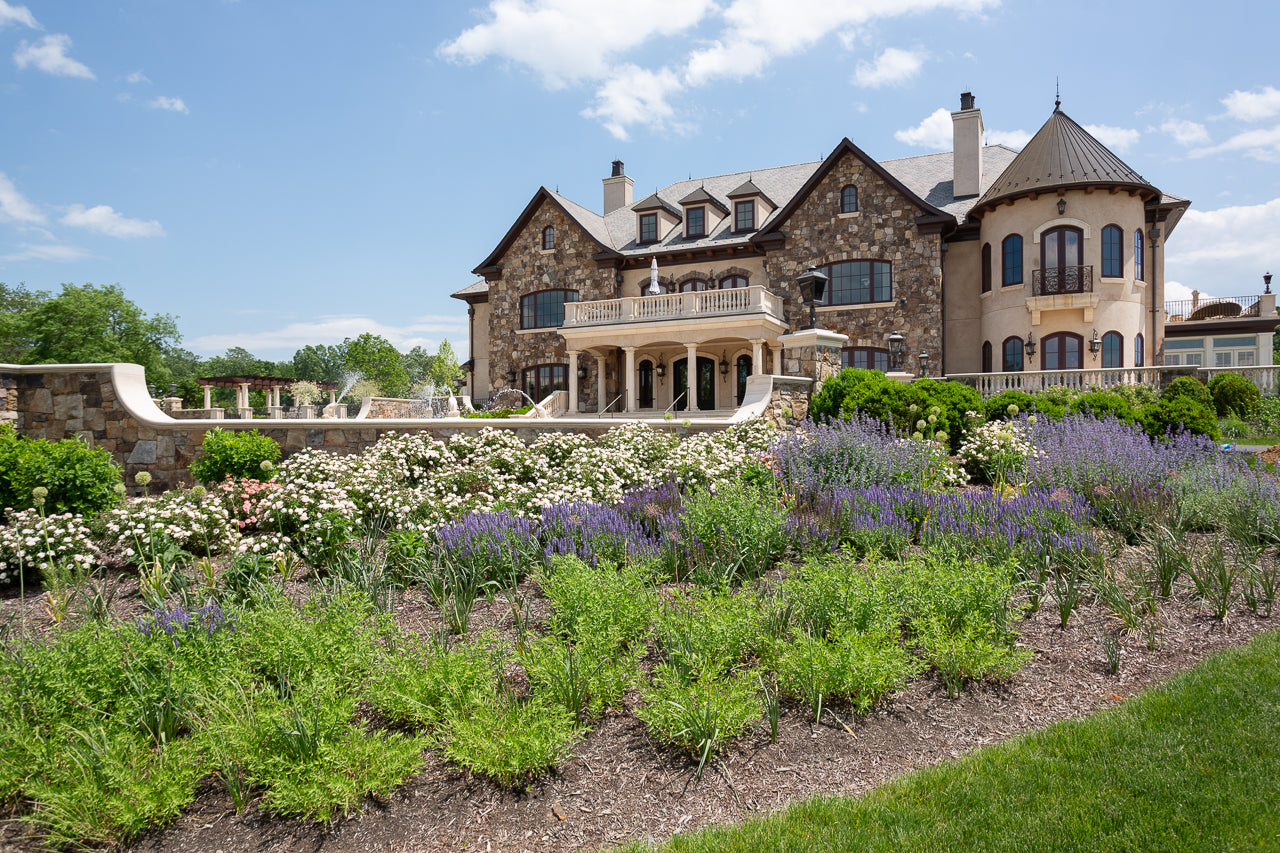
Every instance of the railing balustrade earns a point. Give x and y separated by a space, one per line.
673 306
1052 281
1265 376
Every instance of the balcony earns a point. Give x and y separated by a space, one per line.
1058 281
757 302
1211 308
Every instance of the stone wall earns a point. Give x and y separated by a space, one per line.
526 269
789 402
884 229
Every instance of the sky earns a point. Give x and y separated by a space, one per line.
277 174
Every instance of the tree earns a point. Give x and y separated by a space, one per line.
15 303
92 324
375 359
237 362
439 370
320 363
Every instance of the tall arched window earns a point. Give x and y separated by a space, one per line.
1011 257
986 267
1113 349
1061 351
644 384
731 282
1112 252
1011 354
849 199
1139 351
1060 269
744 370
1139 255
986 356
548 238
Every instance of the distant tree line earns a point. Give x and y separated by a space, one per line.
91 324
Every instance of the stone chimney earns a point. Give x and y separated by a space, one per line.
617 189
966 153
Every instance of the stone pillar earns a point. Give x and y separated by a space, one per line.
208 402
777 359
757 358
813 353
602 387
632 401
691 378
573 382
242 399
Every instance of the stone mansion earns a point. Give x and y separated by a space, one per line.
984 259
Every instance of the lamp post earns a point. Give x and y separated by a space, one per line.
897 345
813 285
924 363
1266 279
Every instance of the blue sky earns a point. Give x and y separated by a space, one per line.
284 173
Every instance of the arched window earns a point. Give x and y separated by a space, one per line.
1113 349
744 370
1139 351
541 380
1011 354
859 282
865 358
1112 252
1060 269
694 285
986 356
548 238
1139 255
986 267
644 384
545 308
1061 351
1011 257
730 282
849 199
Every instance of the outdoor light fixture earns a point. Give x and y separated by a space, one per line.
924 363
511 377
897 345
1095 344
661 369
1062 206
724 362
1266 279
1029 345
813 286
582 371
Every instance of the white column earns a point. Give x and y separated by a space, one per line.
244 395
631 378
691 378
757 358
777 359
573 383
208 401
601 387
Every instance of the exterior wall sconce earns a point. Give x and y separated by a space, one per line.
1095 344
460 383
511 377
1266 279
1029 345
724 362
897 345
813 286
1062 206
924 363
661 369
582 371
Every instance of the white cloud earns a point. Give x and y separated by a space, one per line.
568 41
1176 291
892 67
1253 106
1249 234
934 132
634 95
1185 132
421 331
104 220
50 252
173 105
14 207
138 77
1116 138
17 15
1011 138
1261 144
50 56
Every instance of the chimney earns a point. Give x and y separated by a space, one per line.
966 134
617 189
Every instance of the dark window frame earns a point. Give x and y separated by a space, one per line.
548 238
1011 260
742 370
1139 350
986 267
649 223
687 286
986 357
1139 256
849 199
873 358
1112 350
543 311
728 282
644 384
1058 235
546 378
879 275
1112 251
1012 346
744 215
1056 344
701 230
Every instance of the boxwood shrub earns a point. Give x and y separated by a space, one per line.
1233 395
79 478
228 453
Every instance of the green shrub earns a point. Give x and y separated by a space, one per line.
1234 395
233 453
1180 414
997 407
858 668
940 404
499 413
1190 387
708 632
80 478
1100 404
702 716
829 400
510 741
741 529
603 607
834 593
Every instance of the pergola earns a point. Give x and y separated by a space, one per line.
245 384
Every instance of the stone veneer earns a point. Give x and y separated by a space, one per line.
883 229
526 269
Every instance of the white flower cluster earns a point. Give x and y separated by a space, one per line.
195 523
997 450
37 542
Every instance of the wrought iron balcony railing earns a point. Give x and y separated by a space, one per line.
1053 281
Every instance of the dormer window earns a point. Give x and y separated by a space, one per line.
849 199
648 228
695 222
744 215
548 238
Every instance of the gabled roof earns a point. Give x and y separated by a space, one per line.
701 196
656 202
592 223
748 189
472 291
1063 155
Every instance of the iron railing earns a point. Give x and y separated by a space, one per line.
1210 307
1053 281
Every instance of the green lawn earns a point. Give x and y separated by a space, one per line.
1191 766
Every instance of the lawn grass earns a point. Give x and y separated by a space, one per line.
1191 765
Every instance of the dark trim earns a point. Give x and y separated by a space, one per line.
1200 328
490 268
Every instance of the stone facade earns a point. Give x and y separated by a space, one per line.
789 402
883 229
